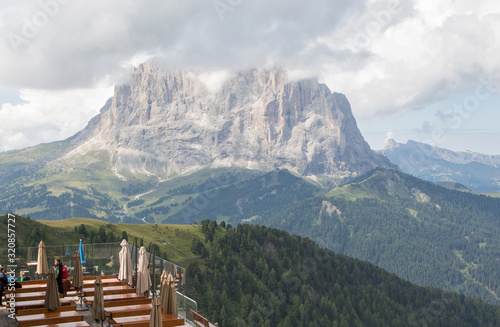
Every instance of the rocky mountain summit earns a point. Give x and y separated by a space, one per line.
167 122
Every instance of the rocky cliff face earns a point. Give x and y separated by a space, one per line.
168 122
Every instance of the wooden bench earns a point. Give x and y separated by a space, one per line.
48 318
115 297
105 282
198 319
127 311
110 290
102 277
25 305
125 303
28 288
168 320
44 310
31 296
68 324
37 281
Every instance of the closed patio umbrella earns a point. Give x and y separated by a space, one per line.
125 272
98 305
143 277
163 290
52 301
155 316
82 255
77 271
42 268
172 297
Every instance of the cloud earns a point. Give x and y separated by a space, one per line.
430 53
388 56
77 43
45 116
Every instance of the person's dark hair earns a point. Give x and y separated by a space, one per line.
57 260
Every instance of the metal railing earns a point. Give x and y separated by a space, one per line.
103 259
184 305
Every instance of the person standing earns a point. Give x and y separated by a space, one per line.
59 271
3 282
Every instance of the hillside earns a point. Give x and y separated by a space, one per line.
476 171
422 232
174 241
256 276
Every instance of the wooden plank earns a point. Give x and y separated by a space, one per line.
24 305
38 281
115 297
32 296
123 303
168 320
102 277
27 290
48 318
198 319
105 282
68 324
110 290
44 310
130 310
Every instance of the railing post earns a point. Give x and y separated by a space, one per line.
154 269
135 248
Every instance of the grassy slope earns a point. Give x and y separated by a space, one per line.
175 240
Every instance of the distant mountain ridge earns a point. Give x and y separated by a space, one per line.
476 171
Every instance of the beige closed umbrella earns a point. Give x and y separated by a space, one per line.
155 316
98 304
77 272
143 277
163 290
172 297
125 272
42 268
52 301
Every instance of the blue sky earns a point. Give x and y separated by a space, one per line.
403 65
477 131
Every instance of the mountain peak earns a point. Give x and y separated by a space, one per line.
168 122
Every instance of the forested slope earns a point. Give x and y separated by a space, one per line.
257 276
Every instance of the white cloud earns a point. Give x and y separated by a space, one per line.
387 56
46 116
428 54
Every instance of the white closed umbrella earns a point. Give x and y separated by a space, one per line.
42 268
143 277
125 272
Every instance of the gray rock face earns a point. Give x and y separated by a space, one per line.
169 122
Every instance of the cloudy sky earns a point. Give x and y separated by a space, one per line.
422 70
